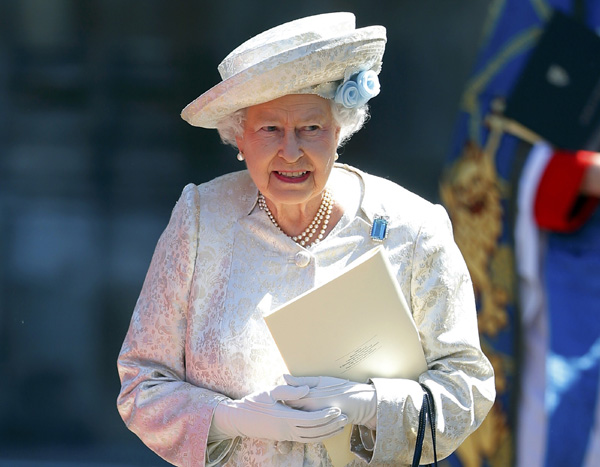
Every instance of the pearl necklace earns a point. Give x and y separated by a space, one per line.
322 217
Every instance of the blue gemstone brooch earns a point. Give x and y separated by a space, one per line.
379 230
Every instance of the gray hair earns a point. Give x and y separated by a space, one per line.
349 120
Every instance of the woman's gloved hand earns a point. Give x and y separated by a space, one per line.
356 400
261 415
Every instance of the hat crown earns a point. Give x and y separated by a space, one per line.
286 37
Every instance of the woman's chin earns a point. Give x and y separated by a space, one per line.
290 195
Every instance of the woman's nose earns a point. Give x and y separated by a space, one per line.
290 146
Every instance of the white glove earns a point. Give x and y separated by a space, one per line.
260 415
357 401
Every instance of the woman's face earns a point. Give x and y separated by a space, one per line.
289 145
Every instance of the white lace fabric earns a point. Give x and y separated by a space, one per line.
197 333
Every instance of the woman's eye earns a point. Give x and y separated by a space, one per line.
269 128
311 127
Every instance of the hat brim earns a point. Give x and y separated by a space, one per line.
288 72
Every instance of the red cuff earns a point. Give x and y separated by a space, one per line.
559 205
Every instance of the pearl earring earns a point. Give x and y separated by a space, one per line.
336 157
240 156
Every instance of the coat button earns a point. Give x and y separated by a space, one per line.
284 447
302 259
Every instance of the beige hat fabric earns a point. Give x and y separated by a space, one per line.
311 55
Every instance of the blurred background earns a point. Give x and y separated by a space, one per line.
93 156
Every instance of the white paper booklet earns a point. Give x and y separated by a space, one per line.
357 326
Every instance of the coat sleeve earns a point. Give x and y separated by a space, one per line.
171 416
460 377
559 205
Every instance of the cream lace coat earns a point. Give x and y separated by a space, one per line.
197 333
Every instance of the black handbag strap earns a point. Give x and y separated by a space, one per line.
427 412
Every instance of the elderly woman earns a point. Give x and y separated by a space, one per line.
202 379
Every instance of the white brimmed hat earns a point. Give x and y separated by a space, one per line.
312 55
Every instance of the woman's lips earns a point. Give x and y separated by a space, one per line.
292 177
